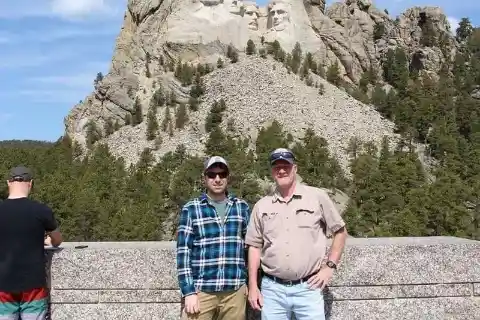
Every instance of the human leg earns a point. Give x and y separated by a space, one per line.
308 304
208 306
34 304
233 304
276 305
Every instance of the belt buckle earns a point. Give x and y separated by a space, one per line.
289 283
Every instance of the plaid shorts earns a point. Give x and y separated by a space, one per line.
27 305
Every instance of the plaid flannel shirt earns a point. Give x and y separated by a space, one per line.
211 254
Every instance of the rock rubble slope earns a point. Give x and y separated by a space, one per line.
256 91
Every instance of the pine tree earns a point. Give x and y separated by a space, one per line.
147 63
109 127
181 116
152 123
269 139
333 74
137 115
215 116
378 31
464 30
166 119
232 54
93 134
250 47
128 119
296 58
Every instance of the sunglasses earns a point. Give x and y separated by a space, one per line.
213 175
281 155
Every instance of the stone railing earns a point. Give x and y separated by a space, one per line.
379 278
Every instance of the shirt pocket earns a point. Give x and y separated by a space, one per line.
307 217
271 224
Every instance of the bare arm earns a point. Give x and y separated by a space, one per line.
51 228
253 266
336 225
338 245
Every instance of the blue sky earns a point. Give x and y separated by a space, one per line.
51 51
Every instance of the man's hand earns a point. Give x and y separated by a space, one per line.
255 298
47 241
192 305
321 279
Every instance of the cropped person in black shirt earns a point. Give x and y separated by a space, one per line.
24 223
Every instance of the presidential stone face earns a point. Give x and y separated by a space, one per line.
251 15
278 16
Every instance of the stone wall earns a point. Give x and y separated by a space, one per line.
379 278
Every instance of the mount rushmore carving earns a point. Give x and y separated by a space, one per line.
199 31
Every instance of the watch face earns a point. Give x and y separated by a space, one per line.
331 264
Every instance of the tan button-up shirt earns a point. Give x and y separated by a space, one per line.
292 235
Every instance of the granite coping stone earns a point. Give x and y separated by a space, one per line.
350 242
366 262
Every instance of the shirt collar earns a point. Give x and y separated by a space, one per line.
297 193
204 197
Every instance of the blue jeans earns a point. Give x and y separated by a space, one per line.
280 301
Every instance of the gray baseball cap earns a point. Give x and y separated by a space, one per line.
214 160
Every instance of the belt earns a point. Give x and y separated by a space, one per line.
288 282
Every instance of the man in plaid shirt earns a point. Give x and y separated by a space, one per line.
211 249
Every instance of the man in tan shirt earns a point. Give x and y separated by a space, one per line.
287 238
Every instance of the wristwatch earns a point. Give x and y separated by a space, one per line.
331 264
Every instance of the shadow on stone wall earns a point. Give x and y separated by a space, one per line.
48 268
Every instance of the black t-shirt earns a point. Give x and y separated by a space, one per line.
23 223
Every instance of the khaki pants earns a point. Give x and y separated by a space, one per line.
229 305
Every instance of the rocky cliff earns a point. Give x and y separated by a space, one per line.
158 35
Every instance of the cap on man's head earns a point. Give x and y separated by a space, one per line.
214 160
20 173
281 154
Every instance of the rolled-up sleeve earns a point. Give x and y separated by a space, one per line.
254 235
246 218
184 248
331 215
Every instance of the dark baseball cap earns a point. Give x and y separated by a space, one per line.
281 154
20 173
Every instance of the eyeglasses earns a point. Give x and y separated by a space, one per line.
281 155
213 175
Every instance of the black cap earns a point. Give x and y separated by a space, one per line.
20 173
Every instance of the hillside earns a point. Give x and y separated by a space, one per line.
350 39
382 112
